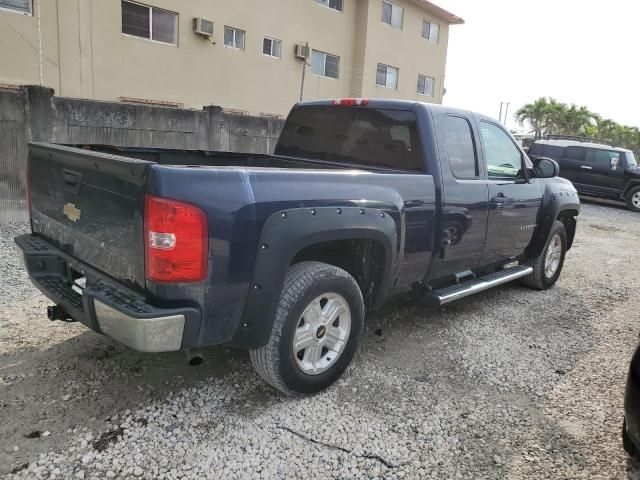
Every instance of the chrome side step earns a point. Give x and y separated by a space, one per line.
464 289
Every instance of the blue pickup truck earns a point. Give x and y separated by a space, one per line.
284 254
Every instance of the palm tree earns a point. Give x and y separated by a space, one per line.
554 116
547 115
574 120
534 114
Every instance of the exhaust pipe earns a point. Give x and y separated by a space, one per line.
194 357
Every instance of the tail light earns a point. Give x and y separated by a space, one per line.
176 241
350 102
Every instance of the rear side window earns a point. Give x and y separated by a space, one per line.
574 153
460 147
373 137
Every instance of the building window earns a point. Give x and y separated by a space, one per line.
325 64
334 4
271 47
425 85
20 6
392 14
149 22
430 31
234 38
387 76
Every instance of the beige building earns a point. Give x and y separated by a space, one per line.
123 50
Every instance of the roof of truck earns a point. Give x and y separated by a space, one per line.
563 143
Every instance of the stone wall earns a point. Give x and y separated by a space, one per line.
35 114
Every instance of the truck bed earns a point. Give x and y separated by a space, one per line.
89 204
223 159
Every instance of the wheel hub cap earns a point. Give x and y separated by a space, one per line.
322 333
636 200
553 256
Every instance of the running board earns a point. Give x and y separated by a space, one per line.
464 289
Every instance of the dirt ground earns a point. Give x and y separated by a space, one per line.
511 383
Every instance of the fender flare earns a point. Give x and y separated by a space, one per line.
630 185
554 203
287 232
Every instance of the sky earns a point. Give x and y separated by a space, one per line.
581 51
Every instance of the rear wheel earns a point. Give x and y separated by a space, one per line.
548 265
633 199
316 332
627 443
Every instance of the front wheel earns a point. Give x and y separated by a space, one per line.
316 332
548 265
633 199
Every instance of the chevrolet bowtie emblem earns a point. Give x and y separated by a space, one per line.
71 212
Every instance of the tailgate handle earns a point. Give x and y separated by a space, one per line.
72 181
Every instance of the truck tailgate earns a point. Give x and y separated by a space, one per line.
90 205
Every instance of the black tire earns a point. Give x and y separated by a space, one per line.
627 443
630 199
276 362
538 278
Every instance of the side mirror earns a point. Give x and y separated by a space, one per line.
544 167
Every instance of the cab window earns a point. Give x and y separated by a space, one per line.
574 153
504 159
460 148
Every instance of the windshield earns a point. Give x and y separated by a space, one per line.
631 160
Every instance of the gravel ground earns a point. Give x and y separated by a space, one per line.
511 384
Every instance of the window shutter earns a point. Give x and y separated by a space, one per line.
332 66
386 12
135 20
20 5
396 16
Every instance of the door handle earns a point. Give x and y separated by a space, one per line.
499 200
586 167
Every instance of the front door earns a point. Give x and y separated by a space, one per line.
514 201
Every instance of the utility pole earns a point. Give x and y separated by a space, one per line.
304 71
506 112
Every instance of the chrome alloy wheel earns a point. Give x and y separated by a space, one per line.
636 199
553 256
322 333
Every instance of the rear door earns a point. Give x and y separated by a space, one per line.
90 205
604 171
572 166
465 196
514 201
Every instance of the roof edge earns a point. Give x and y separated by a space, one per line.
451 18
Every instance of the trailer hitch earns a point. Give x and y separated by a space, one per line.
56 312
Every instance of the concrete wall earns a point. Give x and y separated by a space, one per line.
34 114
85 55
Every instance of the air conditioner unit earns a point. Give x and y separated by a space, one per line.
303 51
203 27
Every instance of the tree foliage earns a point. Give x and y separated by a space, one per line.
548 116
